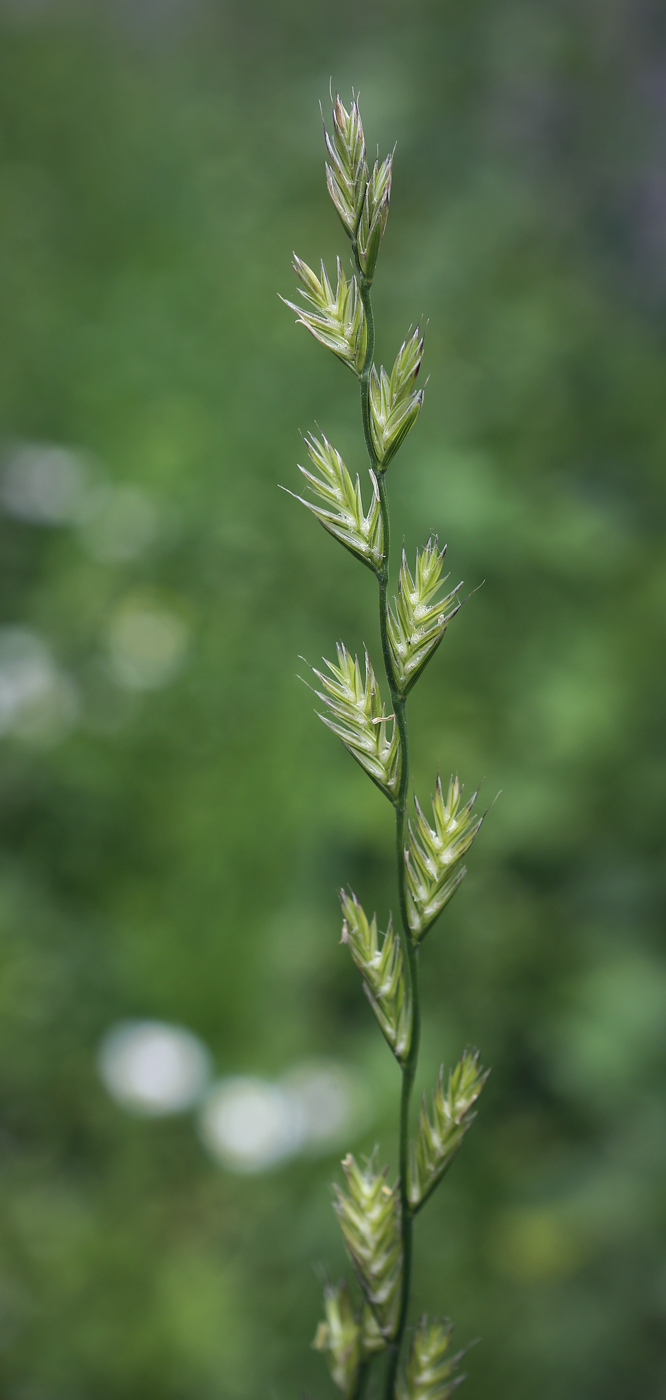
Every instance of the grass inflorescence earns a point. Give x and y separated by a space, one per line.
376 1217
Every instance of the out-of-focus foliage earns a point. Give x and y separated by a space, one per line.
174 823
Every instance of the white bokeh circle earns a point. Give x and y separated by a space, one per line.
153 1068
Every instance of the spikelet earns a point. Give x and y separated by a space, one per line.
343 514
394 403
371 1337
439 1138
369 1216
374 215
339 1337
347 175
337 319
345 1337
358 717
434 854
382 972
418 620
429 1371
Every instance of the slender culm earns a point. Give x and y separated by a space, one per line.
377 1218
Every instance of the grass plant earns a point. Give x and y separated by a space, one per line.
376 1217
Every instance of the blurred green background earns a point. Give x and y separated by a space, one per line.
174 821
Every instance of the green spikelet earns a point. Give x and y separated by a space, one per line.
394 403
438 1138
339 1337
343 514
374 215
337 319
359 718
347 174
429 1373
419 619
371 1337
434 855
382 972
369 1215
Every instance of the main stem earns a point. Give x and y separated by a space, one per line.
361 1381
409 949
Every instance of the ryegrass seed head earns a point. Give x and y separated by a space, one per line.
376 1219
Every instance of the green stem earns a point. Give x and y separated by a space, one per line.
361 1381
409 950
365 375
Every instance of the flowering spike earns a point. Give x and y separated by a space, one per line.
347 174
337 319
382 972
418 620
429 1371
394 403
360 719
439 1138
377 1220
434 854
369 1215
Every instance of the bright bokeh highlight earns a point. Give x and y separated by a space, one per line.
152 1068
